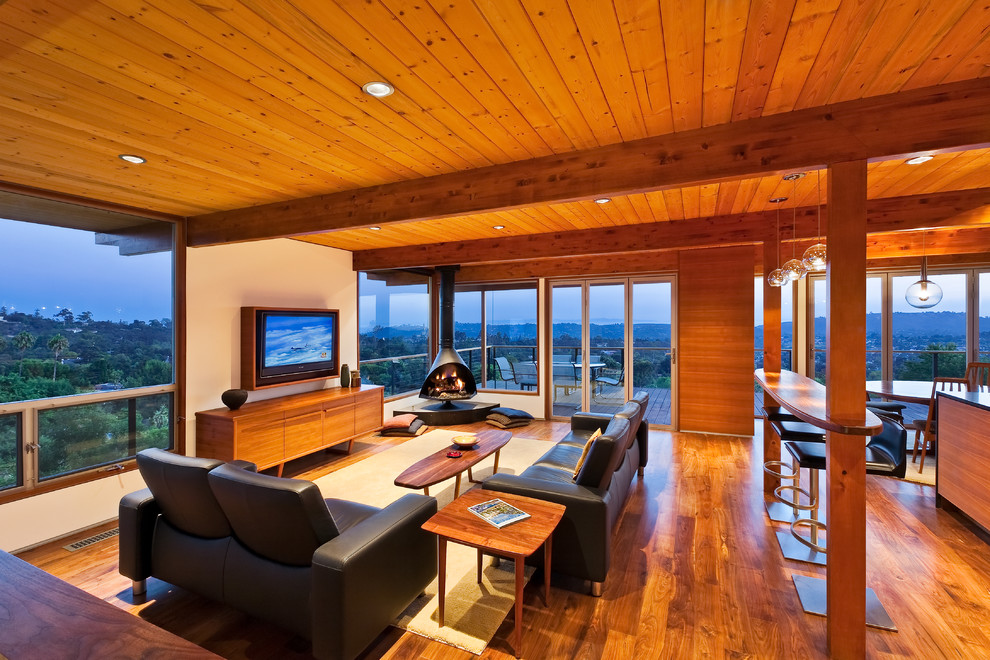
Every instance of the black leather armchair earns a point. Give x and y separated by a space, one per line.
334 572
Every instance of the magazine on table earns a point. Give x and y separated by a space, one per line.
498 513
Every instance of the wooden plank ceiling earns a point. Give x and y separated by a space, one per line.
237 103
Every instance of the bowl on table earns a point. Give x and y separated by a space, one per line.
464 441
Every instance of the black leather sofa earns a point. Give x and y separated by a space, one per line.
594 499
334 572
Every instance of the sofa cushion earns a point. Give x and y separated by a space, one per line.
633 412
347 514
180 487
548 473
564 457
576 438
284 520
605 455
584 452
592 473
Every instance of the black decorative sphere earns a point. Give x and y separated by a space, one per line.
234 399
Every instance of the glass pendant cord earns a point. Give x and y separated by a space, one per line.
819 206
814 257
776 276
794 269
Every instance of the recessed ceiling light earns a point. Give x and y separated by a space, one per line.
378 89
918 160
793 177
498 226
131 158
603 200
375 228
777 200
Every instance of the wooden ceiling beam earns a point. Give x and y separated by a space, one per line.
956 208
647 261
956 246
944 117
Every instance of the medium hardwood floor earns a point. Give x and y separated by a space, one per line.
696 573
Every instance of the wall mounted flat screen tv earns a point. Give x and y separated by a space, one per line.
288 345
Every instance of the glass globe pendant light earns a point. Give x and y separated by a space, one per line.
924 293
776 277
814 257
794 268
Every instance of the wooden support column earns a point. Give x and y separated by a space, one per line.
771 353
845 397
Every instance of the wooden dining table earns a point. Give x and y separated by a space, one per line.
908 391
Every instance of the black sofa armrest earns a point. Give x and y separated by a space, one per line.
586 421
137 512
582 540
643 438
244 465
364 578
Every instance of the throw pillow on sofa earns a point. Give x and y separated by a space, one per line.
584 452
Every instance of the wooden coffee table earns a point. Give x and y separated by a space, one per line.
515 541
439 467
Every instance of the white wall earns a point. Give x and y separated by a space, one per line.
219 281
278 273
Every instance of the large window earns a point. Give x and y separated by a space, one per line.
983 323
929 342
10 449
495 333
874 327
906 343
86 347
394 327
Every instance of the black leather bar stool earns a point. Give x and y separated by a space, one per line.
886 454
790 429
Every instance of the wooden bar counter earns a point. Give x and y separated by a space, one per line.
963 454
805 399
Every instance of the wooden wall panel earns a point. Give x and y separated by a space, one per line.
715 338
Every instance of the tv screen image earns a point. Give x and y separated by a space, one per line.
295 343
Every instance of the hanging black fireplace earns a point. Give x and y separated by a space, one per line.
449 378
450 381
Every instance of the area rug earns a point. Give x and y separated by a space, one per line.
926 477
473 612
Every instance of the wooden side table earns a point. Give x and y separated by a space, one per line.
516 541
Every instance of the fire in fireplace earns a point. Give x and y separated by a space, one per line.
449 378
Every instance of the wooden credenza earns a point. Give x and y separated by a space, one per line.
274 431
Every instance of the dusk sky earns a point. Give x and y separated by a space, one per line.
48 268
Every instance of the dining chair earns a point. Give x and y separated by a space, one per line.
978 376
929 426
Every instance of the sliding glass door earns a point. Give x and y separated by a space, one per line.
653 346
610 338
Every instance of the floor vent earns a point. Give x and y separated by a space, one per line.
102 536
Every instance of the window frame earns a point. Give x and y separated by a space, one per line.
887 275
431 337
27 411
484 289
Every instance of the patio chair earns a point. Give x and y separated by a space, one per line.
929 426
505 372
978 376
526 374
